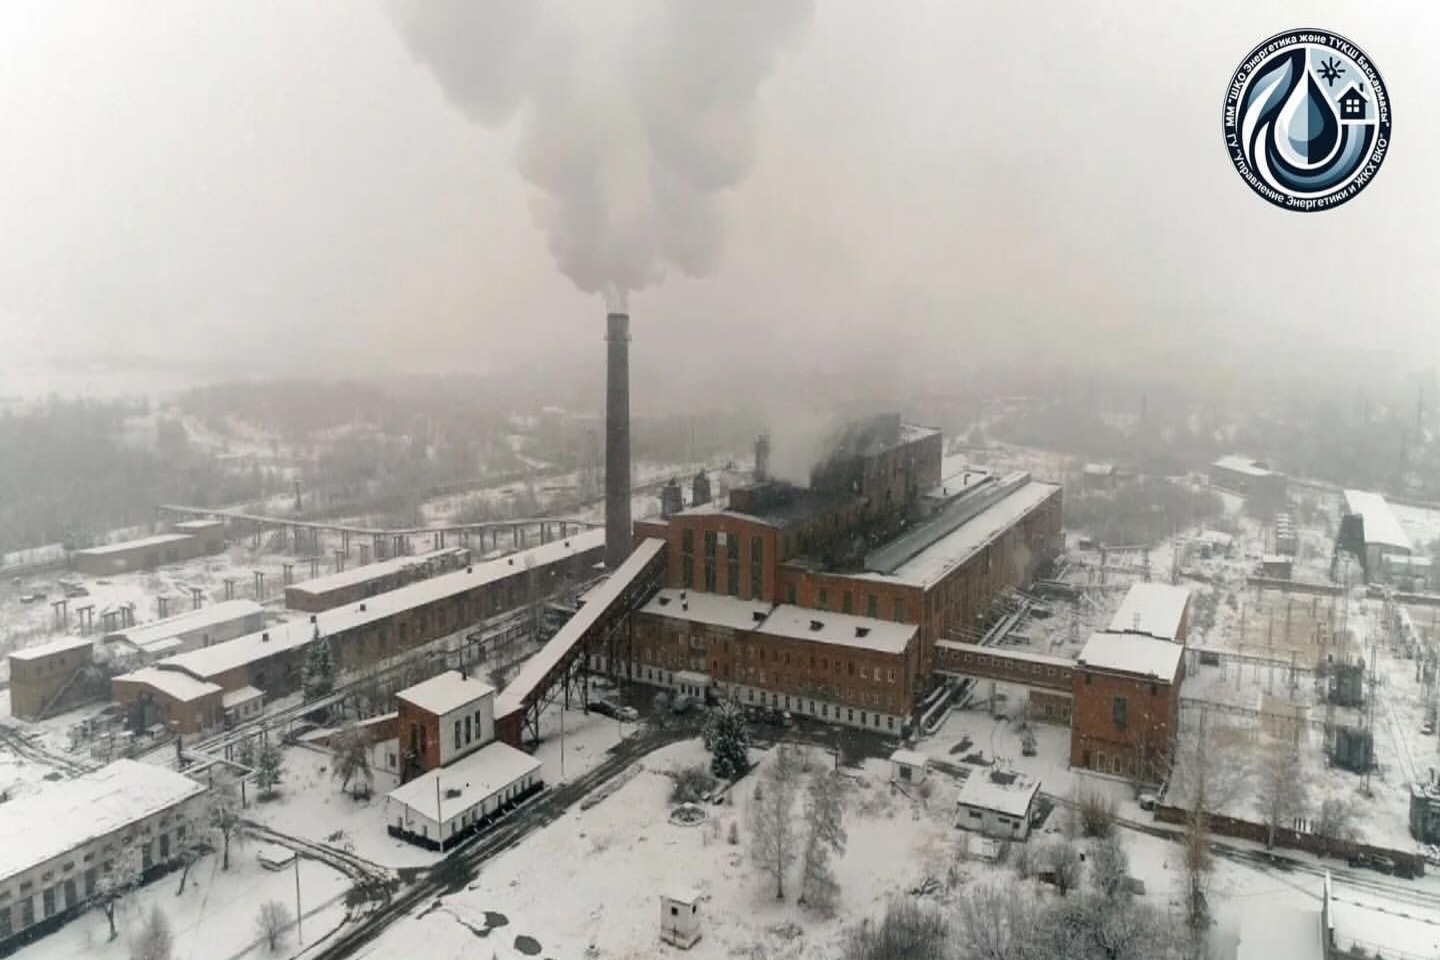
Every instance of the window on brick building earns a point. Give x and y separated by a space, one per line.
789 593
872 606
847 602
899 612
687 571
1121 711
757 572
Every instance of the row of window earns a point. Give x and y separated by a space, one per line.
71 891
471 731
819 708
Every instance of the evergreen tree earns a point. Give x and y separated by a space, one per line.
319 676
728 739
269 769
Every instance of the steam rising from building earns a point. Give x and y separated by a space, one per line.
629 137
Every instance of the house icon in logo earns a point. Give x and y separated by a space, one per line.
1352 104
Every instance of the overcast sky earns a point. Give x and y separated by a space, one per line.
279 187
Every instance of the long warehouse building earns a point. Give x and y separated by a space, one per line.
359 634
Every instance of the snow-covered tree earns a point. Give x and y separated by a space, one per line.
908 929
1335 821
319 673
225 817
1062 859
727 737
351 747
1109 866
269 768
187 852
772 829
825 814
117 877
1281 787
996 921
271 923
153 941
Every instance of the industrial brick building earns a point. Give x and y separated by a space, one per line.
360 635
192 630
195 538
455 778
830 599
40 676
1249 478
1126 704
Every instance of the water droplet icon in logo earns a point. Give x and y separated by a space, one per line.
1307 128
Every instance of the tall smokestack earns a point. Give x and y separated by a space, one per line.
618 540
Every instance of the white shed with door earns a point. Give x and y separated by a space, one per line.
997 803
907 766
680 918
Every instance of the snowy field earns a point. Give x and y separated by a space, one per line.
613 861
214 919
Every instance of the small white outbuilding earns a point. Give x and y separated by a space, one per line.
907 766
680 918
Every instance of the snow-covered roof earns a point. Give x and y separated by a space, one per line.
42 826
1132 653
1011 794
226 611
1381 527
534 670
1155 609
1245 465
50 649
838 629
445 692
370 571
1215 537
919 559
1271 559
714 609
236 697
487 771
910 758
1269 930
196 526
685 895
141 544
218 658
172 683
1099 469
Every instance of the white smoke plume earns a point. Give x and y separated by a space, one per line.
631 128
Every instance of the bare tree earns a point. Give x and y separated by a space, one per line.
351 747
996 921
1097 813
191 849
118 876
1202 785
1109 867
153 941
825 811
272 923
772 830
225 817
1090 925
1062 860
1281 787
1335 822
908 929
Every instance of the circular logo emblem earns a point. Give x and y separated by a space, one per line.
1307 119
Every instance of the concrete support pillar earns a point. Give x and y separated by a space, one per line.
364 554
259 585
314 567
162 607
345 542
339 561
287 573
229 588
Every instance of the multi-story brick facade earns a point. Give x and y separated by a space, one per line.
1126 705
40 674
441 720
880 537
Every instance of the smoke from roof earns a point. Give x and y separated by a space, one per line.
630 130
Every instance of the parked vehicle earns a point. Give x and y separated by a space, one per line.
1373 861
628 714
603 707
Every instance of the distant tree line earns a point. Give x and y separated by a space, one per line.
71 472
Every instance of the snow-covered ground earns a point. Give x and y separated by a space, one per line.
214 919
595 877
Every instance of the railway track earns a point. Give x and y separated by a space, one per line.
24 745
538 813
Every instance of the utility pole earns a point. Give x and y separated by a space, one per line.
299 914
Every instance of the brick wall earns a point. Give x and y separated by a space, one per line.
1139 747
417 728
